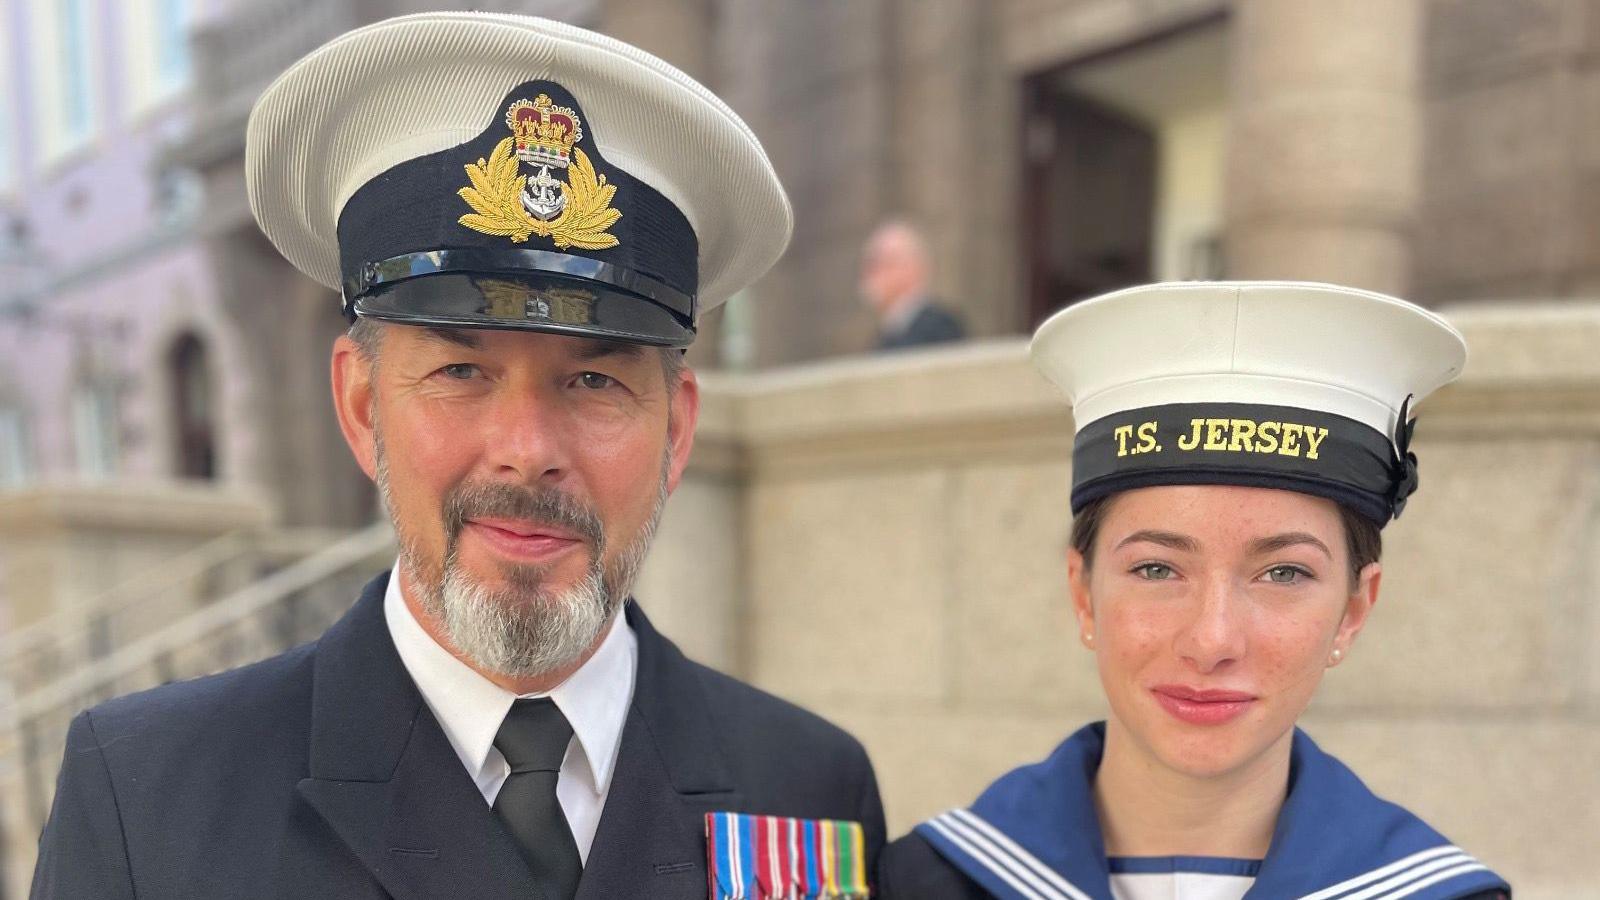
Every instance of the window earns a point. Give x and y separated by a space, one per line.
157 49
172 36
96 427
9 164
178 195
15 458
64 59
73 53
191 382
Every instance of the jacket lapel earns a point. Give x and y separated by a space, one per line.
386 780
670 773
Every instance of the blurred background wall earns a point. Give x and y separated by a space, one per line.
877 537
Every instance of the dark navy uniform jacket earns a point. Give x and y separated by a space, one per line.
931 325
321 773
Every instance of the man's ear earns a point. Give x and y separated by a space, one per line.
353 397
681 423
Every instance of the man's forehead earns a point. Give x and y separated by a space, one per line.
482 339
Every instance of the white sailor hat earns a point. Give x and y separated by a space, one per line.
502 171
1298 386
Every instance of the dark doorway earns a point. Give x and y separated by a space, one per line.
1088 198
193 408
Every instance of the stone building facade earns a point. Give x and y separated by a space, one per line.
1050 149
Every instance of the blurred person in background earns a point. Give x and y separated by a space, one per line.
895 270
496 718
1239 448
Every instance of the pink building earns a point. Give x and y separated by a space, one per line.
134 343
109 334
148 332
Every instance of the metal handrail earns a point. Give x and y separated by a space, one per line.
236 607
271 548
155 580
32 726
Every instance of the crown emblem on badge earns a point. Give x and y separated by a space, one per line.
545 132
507 203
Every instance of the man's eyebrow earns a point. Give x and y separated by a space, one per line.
593 350
1273 544
460 337
1171 539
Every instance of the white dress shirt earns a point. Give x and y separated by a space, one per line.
470 708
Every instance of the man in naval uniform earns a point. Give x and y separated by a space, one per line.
525 220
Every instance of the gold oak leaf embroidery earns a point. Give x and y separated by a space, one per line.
495 198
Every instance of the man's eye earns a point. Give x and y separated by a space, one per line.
1286 574
460 371
594 381
1153 571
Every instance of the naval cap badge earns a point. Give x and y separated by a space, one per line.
507 203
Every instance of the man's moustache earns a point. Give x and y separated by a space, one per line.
540 506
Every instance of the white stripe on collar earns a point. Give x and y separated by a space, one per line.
1372 885
1003 870
1003 856
1446 875
1033 880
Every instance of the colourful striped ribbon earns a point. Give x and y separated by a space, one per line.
778 858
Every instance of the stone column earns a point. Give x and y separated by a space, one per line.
678 31
954 123
1324 141
682 33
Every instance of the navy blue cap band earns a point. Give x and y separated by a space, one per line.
495 261
1247 444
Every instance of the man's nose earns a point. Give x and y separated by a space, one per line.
1215 636
527 438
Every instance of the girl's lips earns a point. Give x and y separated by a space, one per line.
1202 707
534 546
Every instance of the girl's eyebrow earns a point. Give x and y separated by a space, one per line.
1170 539
1278 542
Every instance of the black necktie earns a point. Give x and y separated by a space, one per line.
533 739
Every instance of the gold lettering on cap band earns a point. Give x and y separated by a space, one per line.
1212 435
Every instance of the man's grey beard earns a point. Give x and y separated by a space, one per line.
524 630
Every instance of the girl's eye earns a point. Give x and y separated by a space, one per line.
1153 571
594 381
1286 574
460 371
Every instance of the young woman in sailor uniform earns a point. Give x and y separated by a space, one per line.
1239 447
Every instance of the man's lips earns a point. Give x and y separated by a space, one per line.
523 540
524 528
1202 706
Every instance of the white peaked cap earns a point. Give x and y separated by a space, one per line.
1340 350
416 85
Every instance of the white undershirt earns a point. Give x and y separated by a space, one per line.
1181 878
1180 886
470 708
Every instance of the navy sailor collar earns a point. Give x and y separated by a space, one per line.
1034 835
